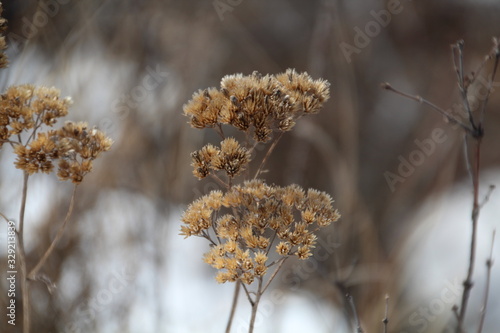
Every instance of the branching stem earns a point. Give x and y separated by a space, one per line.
233 305
489 264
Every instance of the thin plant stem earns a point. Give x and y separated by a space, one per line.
269 151
489 264
357 322
477 133
490 83
271 242
466 156
23 204
487 196
476 208
233 306
255 305
468 284
220 181
493 53
459 69
281 262
421 100
250 300
386 316
22 257
218 129
4 217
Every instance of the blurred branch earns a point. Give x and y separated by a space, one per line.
233 306
421 100
458 64
350 301
22 257
280 263
487 196
489 264
473 162
386 317
269 151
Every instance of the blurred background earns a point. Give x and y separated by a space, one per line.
130 66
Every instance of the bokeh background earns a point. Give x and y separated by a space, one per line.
122 267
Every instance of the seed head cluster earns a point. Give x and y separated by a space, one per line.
24 109
247 220
256 103
252 221
230 157
74 145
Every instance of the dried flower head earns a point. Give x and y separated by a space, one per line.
248 219
78 147
230 157
25 107
73 145
261 103
244 223
38 156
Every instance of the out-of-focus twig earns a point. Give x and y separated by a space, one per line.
475 130
489 264
386 316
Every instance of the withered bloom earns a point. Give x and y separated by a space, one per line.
244 223
259 103
25 107
74 145
246 218
78 147
230 157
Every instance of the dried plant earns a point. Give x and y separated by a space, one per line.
27 117
247 220
471 121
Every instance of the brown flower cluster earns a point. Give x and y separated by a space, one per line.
3 45
258 104
247 221
230 157
24 109
249 218
74 145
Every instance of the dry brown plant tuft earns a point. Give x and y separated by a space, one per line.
27 116
248 220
